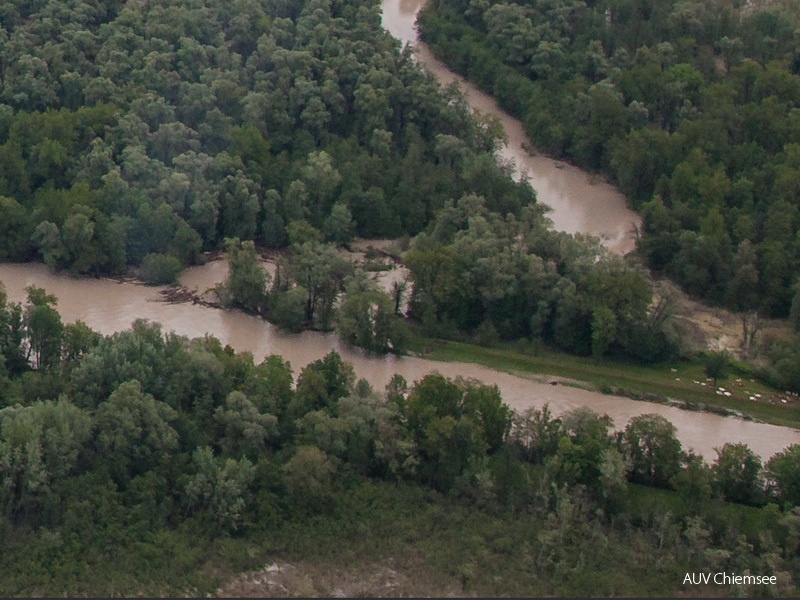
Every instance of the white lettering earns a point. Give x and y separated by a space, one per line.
734 579
696 578
728 579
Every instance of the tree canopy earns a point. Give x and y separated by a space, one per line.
689 107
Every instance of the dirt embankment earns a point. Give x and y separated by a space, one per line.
701 327
387 579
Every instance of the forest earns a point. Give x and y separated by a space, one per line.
690 107
137 129
142 135
124 456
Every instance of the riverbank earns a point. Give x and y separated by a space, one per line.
681 384
108 306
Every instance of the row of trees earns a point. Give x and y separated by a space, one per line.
690 107
142 432
472 271
581 446
437 430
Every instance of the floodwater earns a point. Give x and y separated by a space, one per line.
581 203
108 306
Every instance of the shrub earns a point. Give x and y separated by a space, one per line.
160 269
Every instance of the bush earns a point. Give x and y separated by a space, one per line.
160 269
287 309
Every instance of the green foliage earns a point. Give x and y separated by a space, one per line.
288 308
654 450
247 281
219 490
338 226
270 385
186 244
582 451
246 432
694 481
536 434
308 477
783 472
684 107
510 278
454 424
717 365
737 474
108 156
367 319
157 439
161 269
43 327
39 448
321 272
165 128
133 432
11 336
15 230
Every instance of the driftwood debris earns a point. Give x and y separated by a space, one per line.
177 295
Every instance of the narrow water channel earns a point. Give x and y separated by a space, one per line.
581 203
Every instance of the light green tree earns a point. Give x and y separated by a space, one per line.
737 474
245 431
134 434
39 448
366 318
653 448
220 490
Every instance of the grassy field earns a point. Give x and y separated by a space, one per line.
680 380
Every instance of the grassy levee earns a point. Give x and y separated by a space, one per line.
675 381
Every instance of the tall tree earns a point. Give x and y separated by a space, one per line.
247 281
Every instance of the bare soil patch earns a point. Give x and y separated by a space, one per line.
386 579
702 327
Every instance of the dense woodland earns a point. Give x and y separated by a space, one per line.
690 107
131 129
143 134
146 134
124 456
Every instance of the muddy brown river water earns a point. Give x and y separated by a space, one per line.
581 203
108 306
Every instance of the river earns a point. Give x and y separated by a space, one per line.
108 306
580 202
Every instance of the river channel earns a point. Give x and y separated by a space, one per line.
108 306
580 202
